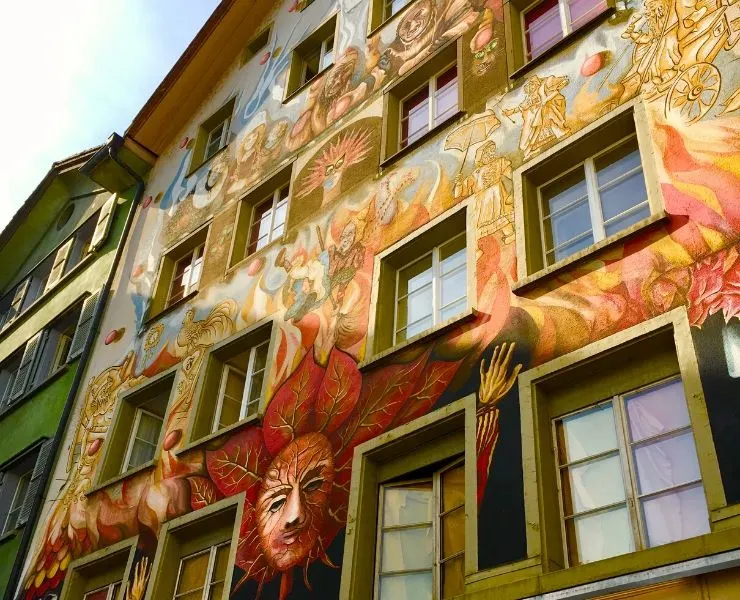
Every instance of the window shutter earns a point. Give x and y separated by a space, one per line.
27 366
83 326
35 486
105 218
60 261
18 298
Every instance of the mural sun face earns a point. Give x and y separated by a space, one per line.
293 500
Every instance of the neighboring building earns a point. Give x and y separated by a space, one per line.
56 254
424 299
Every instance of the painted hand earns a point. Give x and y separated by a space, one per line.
141 577
494 381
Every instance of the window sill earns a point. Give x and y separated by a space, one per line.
120 477
10 534
424 336
561 44
531 281
44 297
206 161
306 84
254 419
388 161
27 395
171 308
256 254
375 30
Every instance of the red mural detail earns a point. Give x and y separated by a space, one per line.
715 287
238 465
202 492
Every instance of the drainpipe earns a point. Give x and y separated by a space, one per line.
58 438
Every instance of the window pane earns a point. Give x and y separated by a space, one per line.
676 516
260 357
621 185
280 213
141 452
666 463
328 53
415 276
414 586
407 549
408 504
598 536
393 6
149 427
255 389
101 594
582 11
453 577
566 213
453 532
415 116
415 313
231 402
216 591
221 563
452 254
593 485
193 572
446 95
453 488
453 286
587 433
542 27
311 66
260 229
195 272
656 410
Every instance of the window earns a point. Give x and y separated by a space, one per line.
547 22
180 271
202 575
382 10
312 56
100 575
624 461
107 592
19 497
584 192
430 105
186 275
8 374
257 43
428 97
262 216
268 219
195 554
144 436
415 497
421 537
55 351
391 7
423 283
20 482
630 474
213 135
136 428
235 381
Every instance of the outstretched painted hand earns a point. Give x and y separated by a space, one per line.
494 381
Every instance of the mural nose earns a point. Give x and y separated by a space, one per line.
294 515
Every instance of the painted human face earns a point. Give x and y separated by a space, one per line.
293 500
416 21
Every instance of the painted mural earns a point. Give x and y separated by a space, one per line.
294 465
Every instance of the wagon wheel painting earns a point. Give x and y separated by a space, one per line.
694 92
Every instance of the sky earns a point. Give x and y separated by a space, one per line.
77 70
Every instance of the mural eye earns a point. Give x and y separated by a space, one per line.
313 484
277 504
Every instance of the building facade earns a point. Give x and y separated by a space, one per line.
424 299
56 254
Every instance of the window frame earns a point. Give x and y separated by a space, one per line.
117 444
222 139
630 118
276 200
441 435
633 499
201 420
222 115
195 255
216 523
382 324
16 503
94 571
308 47
133 437
431 85
435 478
411 83
207 583
544 393
246 211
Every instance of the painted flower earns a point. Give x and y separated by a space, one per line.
715 286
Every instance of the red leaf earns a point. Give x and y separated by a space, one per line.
202 492
433 382
291 410
382 395
237 466
338 393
